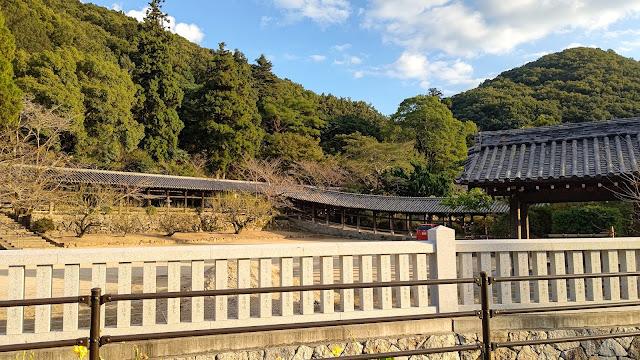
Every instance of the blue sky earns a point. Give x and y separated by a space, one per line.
383 51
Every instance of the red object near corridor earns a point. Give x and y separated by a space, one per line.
422 233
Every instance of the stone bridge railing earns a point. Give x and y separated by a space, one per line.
42 274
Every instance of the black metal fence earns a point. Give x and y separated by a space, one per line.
96 300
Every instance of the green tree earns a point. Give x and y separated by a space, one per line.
10 95
159 93
51 78
109 95
368 160
422 182
291 148
475 199
575 85
438 136
228 127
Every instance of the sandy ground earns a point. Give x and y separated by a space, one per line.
199 238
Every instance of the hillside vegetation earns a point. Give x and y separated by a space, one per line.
575 85
139 98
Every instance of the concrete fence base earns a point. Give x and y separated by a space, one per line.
388 337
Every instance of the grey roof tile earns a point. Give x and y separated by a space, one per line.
327 197
568 151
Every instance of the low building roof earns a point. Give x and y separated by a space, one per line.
155 181
399 204
579 151
326 197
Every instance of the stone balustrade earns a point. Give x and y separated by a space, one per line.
549 257
64 272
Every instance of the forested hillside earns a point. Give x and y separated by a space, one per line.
139 98
575 85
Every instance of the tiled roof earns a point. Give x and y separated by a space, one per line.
155 181
569 151
326 197
418 205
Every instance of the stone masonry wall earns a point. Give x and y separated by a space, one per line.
143 223
610 349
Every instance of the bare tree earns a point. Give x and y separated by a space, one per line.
270 180
27 156
86 202
319 174
241 209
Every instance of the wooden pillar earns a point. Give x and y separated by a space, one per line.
524 218
391 223
326 215
464 230
185 201
375 223
486 226
409 225
313 212
358 221
202 201
148 197
515 218
450 220
342 218
168 201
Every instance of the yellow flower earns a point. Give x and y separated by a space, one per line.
336 351
80 350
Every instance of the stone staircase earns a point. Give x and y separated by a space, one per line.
14 236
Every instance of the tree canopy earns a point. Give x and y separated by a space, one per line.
10 94
575 85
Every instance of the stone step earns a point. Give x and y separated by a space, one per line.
14 236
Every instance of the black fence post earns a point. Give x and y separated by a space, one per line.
486 314
94 331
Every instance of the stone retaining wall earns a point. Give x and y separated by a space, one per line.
143 223
609 349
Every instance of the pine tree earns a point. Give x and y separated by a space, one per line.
229 122
10 95
159 93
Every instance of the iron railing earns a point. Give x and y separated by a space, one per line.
96 300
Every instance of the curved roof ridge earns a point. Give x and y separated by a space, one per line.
422 198
567 131
133 173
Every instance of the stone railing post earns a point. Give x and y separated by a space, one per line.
446 296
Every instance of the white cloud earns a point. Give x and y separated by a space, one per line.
536 55
341 47
318 57
488 27
116 7
138 14
323 12
190 32
576 45
348 60
415 67
265 21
